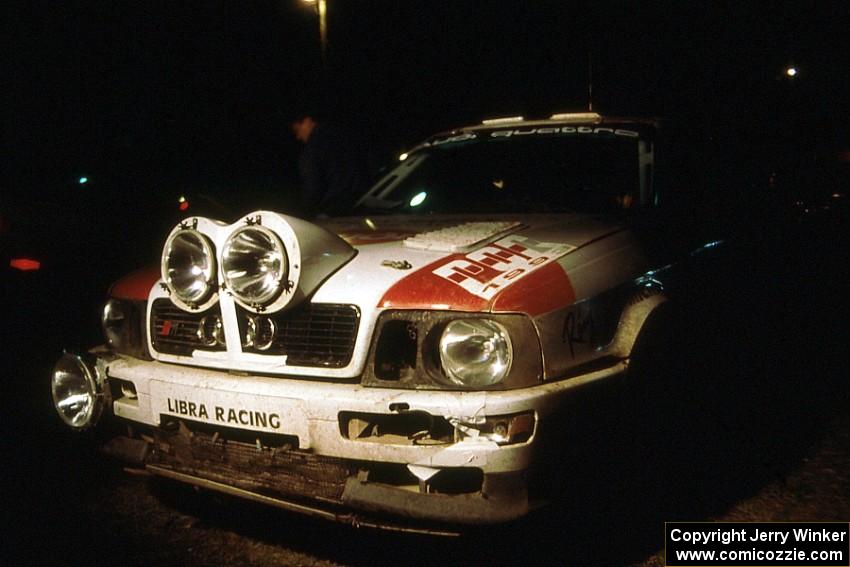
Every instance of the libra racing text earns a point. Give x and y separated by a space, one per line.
223 415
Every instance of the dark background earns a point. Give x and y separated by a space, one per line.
164 97
154 100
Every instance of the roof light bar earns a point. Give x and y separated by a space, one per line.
506 120
577 116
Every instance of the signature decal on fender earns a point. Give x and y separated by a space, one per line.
488 270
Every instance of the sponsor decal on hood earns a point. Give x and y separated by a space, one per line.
481 280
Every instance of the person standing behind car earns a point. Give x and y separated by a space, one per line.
332 167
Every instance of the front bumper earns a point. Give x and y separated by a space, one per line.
310 463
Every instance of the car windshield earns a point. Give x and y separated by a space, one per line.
489 173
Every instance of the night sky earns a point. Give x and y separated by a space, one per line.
159 97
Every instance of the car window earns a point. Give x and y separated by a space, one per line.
534 174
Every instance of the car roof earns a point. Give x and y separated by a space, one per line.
563 119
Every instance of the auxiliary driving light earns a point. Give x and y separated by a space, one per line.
188 267
77 393
254 264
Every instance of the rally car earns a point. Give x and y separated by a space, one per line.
407 364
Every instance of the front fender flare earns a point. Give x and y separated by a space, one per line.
633 320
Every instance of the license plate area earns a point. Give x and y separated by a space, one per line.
232 410
269 464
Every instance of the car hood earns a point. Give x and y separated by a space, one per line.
468 263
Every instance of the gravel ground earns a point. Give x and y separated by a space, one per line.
133 519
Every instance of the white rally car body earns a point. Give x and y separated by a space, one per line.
345 411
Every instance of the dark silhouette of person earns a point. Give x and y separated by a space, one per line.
332 166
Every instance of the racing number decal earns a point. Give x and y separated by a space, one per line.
489 270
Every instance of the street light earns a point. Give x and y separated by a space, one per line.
322 10
791 71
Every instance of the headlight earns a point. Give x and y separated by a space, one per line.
255 264
188 266
76 395
121 320
114 321
475 352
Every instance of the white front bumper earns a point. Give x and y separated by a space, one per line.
310 410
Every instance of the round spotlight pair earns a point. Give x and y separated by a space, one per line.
254 266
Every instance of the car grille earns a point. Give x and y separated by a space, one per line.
312 334
174 331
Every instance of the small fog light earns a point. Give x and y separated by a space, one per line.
260 334
77 394
128 390
211 331
501 429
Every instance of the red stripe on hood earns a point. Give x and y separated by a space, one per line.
541 291
135 285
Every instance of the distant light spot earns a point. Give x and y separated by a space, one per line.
418 199
25 264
